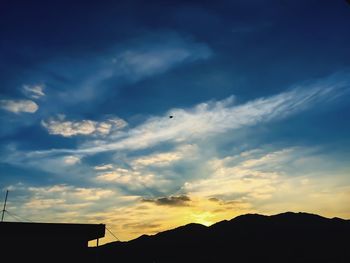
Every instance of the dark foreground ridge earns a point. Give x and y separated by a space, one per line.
286 237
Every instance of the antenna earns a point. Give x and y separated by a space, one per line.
4 210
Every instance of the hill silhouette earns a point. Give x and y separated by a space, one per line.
286 237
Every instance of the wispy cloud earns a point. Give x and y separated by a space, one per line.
132 179
214 117
18 106
165 158
160 159
71 160
59 202
137 59
192 124
237 178
65 128
187 135
34 91
156 54
267 179
253 181
103 167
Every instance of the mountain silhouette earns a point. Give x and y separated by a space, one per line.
286 237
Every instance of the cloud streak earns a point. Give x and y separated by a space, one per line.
34 91
19 106
71 160
62 127
138 59
215 117
157 54
132 179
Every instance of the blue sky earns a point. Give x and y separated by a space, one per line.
258 92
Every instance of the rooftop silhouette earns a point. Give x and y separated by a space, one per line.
47 242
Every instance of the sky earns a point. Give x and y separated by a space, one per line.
148 115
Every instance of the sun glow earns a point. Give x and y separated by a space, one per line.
203 218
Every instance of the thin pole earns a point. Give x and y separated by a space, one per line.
4 210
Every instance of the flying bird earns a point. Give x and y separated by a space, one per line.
171 116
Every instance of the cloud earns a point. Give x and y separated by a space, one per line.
251 177
118 123
66 199
59 202
213 118
137 59
151 172
34 91
71 160
133 179
164 169
18 106
160 159
267 179
170 201
157 54
60 126
103 167
192 125
69 128
257 180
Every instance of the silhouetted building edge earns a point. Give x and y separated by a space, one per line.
48 242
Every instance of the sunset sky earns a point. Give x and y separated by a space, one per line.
147 115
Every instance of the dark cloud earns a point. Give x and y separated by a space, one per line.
181 200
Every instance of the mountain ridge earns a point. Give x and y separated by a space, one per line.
286 237
230 220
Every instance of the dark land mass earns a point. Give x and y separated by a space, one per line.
286 237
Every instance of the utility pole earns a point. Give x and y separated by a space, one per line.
4 210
